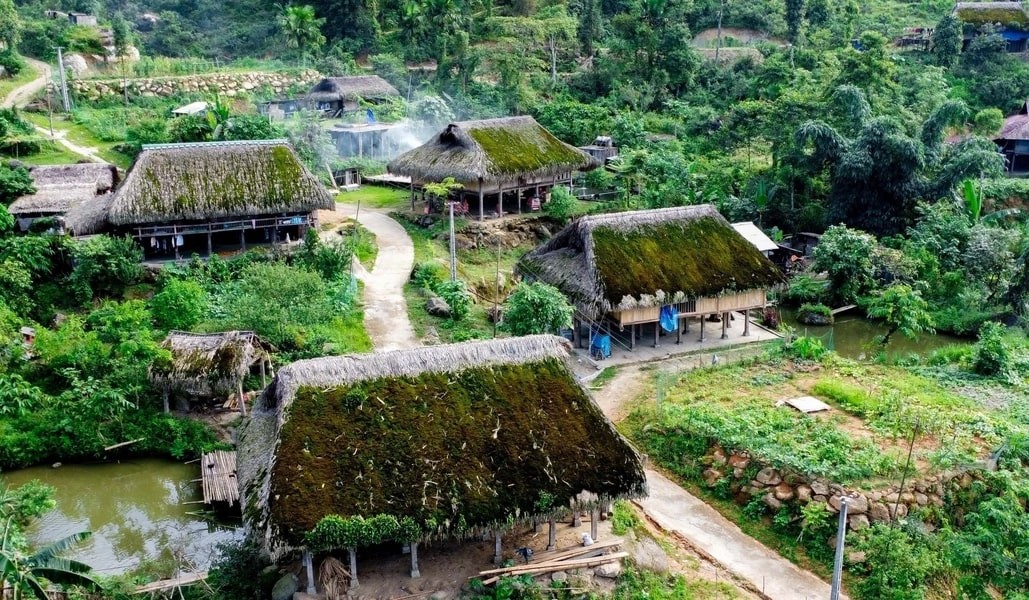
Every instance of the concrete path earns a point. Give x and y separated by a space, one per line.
702 527
385 309
22 95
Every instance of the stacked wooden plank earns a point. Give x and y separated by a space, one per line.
218 475
578 557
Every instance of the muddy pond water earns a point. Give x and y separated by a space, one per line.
137 510
854 336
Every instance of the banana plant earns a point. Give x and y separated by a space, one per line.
971 199
26 575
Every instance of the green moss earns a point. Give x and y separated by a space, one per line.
1004 16
458 450
700 257
517 151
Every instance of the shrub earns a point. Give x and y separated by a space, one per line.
180 305
11 62
991 355
456 294
536 308
625 518
805 289
807 348
236 571
900 563
561 204
429 275
104 266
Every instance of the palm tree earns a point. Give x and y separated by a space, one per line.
25 575
301 28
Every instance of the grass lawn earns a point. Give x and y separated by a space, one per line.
375 196
8 84
51 154
81 136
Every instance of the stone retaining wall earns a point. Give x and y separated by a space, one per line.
776 488
225 84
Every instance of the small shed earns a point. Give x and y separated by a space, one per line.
279 110
211 365
602 149
1013 140
753 234
334 96
191 109
75 196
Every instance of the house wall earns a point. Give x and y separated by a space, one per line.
699 306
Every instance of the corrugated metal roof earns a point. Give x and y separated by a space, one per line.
755 236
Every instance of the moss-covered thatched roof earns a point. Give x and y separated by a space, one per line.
197 182
981 13
82 189
208 364
338 89
491 150
461 438
649 258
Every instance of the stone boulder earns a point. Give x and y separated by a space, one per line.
609 570
857 522
285 587
769 476
783 492
437 307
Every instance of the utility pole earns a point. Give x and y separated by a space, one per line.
453 245
718 42
64 81
837 567
50 106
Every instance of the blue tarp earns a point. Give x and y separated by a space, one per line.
669 318
601 346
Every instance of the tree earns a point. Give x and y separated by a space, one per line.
590 28
561 206
10 25
846 255
249 127
946 41
180 305
301 28
794 19
901 308
988 122
121 34
104 266
536 307
14 183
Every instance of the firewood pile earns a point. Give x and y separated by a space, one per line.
578 557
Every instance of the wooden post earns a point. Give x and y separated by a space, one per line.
309 568
657 332
552 534
167 404
264 381
632 337
414 561
576 518
412 194
725 322
210 246
243 239
678 329
497 555
500 201
242 401
519 200
746 323
702 327
481 196
353 568
576 334
594 522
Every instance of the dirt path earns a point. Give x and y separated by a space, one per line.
385 310
702 527
20 97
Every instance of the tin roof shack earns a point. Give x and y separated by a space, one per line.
180 199
74 197
510 155
653 266
439 443
1010 20
602 149
364 140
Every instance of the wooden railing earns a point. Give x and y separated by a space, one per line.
220 226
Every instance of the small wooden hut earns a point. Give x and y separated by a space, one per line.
210 365
494 157
464 439
180 199
1013 140
335 96
76 197
621 270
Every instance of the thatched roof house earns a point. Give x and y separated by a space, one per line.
209 364
76 195
1013 139
461 438
493 155
190 191
627 266
335 95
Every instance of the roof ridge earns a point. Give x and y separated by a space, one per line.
273 142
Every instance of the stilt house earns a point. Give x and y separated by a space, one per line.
180 199
1013 140
1010 20
457 441
512 159
623 270
210 365
336 96
76 197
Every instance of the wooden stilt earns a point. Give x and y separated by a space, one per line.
412 194
552 534
746 323
657 333
415 574
576 519
242 401
725 322
576 334
210 246
500 201
519 200
678 330
702 327
480 199
497 554
354 583
594 523
632 337
264 381
167 403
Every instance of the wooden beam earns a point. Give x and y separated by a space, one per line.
128 443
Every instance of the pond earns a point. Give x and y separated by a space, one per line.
854 336
137 510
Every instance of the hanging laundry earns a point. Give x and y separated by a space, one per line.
178 241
